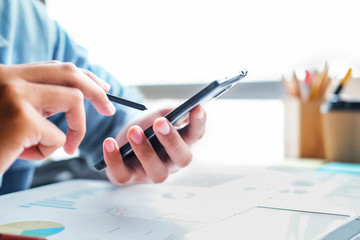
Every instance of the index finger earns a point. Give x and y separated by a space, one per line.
55 99
67 74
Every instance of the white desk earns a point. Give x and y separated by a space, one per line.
235 203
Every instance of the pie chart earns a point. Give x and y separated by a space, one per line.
32 228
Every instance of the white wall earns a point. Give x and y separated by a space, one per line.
166 41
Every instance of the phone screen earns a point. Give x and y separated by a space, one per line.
213 90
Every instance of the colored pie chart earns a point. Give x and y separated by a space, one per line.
32 228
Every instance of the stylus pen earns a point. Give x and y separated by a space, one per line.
126 102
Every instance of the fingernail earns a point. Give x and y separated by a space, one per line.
112 108
201 114
164 127
136 136
110 146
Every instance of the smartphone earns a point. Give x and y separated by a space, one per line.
213 90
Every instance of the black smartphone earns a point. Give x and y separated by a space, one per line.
213 90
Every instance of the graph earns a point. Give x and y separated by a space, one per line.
52 202
69 200
32 228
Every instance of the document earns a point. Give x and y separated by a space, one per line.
97 210
94 210
186 204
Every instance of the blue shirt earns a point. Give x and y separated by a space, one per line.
27 35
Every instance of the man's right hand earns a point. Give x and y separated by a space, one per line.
29 93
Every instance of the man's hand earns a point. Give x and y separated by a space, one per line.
29 93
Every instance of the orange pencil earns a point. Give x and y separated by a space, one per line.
297 86
319 83
325 88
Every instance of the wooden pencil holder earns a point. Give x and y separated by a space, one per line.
303 133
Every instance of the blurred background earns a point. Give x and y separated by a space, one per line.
162 41
171 49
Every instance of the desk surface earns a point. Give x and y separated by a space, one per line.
245 203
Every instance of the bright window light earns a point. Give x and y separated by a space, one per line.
196 41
